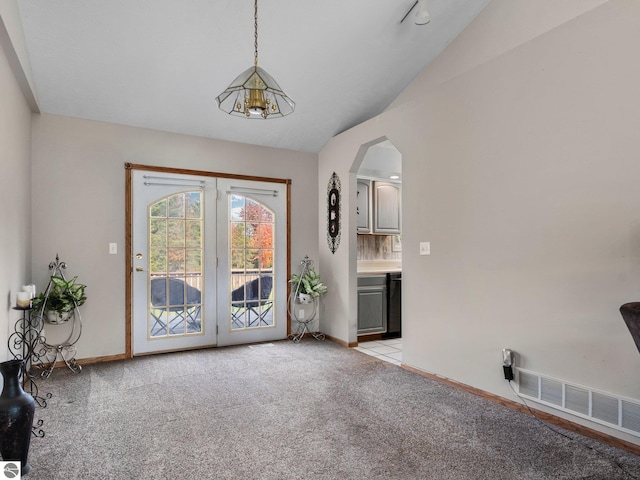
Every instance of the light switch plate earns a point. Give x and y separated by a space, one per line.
113 249
425 248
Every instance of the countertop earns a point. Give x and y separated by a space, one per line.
372 267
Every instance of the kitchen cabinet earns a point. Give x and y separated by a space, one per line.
363 205
378 207
372 304
387 208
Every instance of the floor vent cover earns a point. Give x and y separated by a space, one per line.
601 407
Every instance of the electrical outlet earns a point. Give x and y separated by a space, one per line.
425 248
507 363
113 249
507 357
301 314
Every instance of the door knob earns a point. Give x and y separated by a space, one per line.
138 256
139 269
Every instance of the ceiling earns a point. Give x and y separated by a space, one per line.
161 63
382 160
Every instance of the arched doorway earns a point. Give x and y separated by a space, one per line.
376 174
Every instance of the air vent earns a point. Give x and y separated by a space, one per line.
601 407
577 399
551 391
528 384
631 415
604 407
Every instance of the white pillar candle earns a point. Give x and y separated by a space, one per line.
31 289
23 299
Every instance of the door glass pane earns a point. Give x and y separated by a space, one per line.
251 248
265 235
157 261
194 262
193 233
237 234
176 205
236 205
266 259
159 209
175 257
158 231
176 275
251 259
193 206
176 233
253 210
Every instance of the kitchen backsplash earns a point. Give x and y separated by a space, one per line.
378 247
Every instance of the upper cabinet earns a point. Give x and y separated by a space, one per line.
363 204
378 207
387 208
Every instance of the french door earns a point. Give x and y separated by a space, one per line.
209 261
252 263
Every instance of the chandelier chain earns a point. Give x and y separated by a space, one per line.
255 94
255 25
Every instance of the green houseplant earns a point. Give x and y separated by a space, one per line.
308 286
60 299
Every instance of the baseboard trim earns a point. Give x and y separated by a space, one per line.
341 342
369 337
544 416
85 361
108 358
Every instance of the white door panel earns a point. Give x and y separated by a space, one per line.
252 283
174 293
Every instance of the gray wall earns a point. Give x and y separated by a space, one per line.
520 167
15 187
79 204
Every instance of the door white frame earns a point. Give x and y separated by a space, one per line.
129 167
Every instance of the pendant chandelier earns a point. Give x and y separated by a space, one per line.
254 93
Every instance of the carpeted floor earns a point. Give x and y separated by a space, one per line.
314 410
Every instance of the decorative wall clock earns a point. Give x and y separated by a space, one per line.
333 212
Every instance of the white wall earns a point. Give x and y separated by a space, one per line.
11 30
15 191
521 170
79 205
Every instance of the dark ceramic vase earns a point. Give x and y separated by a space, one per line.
16 416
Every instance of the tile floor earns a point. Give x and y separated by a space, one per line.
387 350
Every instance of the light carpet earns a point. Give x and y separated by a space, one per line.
313 410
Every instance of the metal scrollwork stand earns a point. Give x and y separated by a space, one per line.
25 344
303 323
65 349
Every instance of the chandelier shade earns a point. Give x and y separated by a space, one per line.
254 93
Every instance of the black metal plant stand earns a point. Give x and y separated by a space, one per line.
29 344
25 344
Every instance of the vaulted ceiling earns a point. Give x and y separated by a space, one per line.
161 63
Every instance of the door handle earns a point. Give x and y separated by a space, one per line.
139 269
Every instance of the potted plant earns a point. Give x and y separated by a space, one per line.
308 285
60 299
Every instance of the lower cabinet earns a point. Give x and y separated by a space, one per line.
372 304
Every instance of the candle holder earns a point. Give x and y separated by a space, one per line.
23 299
